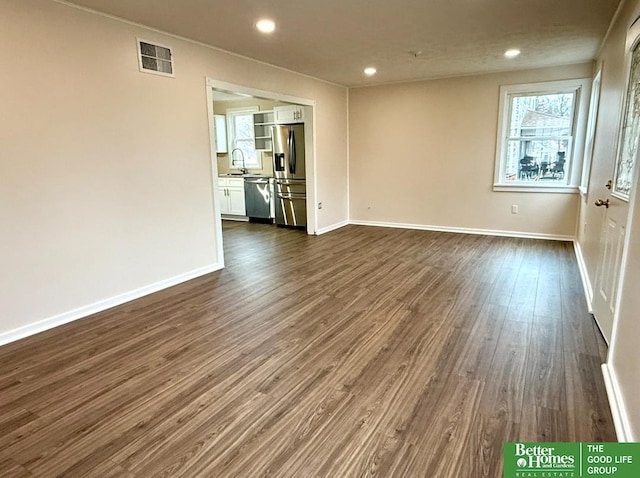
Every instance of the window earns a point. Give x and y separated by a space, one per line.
540 136
154 58
591 130
243 154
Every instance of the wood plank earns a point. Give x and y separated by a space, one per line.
363 352
540 424
476 355
10 469
481 455
545 370
507 377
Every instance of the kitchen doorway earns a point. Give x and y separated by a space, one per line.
232 164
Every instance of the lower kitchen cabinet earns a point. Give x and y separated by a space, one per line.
231 196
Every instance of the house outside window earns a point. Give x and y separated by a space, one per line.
240 134
541 136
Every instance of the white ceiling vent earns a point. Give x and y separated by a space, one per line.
154 58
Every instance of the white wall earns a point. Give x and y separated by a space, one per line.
613 84
105 172
423 153
623 361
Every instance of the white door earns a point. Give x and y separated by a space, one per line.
608 276
613 197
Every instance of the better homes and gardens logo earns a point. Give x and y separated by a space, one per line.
545 460
571 460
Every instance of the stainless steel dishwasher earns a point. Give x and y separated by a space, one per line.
257 197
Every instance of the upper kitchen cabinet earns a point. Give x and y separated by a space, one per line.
262 122
220 126
288 114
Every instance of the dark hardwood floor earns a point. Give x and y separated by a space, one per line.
362 352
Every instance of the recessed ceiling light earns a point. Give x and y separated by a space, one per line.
512 53
370 71
266 26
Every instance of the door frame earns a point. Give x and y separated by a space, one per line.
632 42
310 151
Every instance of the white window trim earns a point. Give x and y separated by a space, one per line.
231 131
582 89
590 138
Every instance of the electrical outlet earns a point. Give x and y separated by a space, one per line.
514 209
319 205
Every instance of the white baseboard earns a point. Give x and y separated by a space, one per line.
231 217
81 312
586 282
618 410
333 227
465 230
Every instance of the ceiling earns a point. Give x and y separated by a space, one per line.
336 39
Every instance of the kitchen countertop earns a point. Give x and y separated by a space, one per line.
238 175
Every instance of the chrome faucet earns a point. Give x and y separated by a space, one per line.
243 169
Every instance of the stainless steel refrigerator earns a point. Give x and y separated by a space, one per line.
289 173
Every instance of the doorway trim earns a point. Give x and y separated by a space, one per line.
310 157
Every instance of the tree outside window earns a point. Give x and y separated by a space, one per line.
241 136
540 135
537 135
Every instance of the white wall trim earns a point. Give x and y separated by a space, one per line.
348 95
231 217
310 149
333 227
618 410
581 89
257 92
612 23
584 275
85 311
465 230
215 184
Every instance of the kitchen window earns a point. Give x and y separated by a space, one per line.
540 136
241 137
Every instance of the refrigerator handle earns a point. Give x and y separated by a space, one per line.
291 143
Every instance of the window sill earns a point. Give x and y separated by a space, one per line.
522 188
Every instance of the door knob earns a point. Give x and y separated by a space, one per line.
600 202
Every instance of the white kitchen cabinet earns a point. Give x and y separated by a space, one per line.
222 198
231 196
262 123
288 114
220 126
